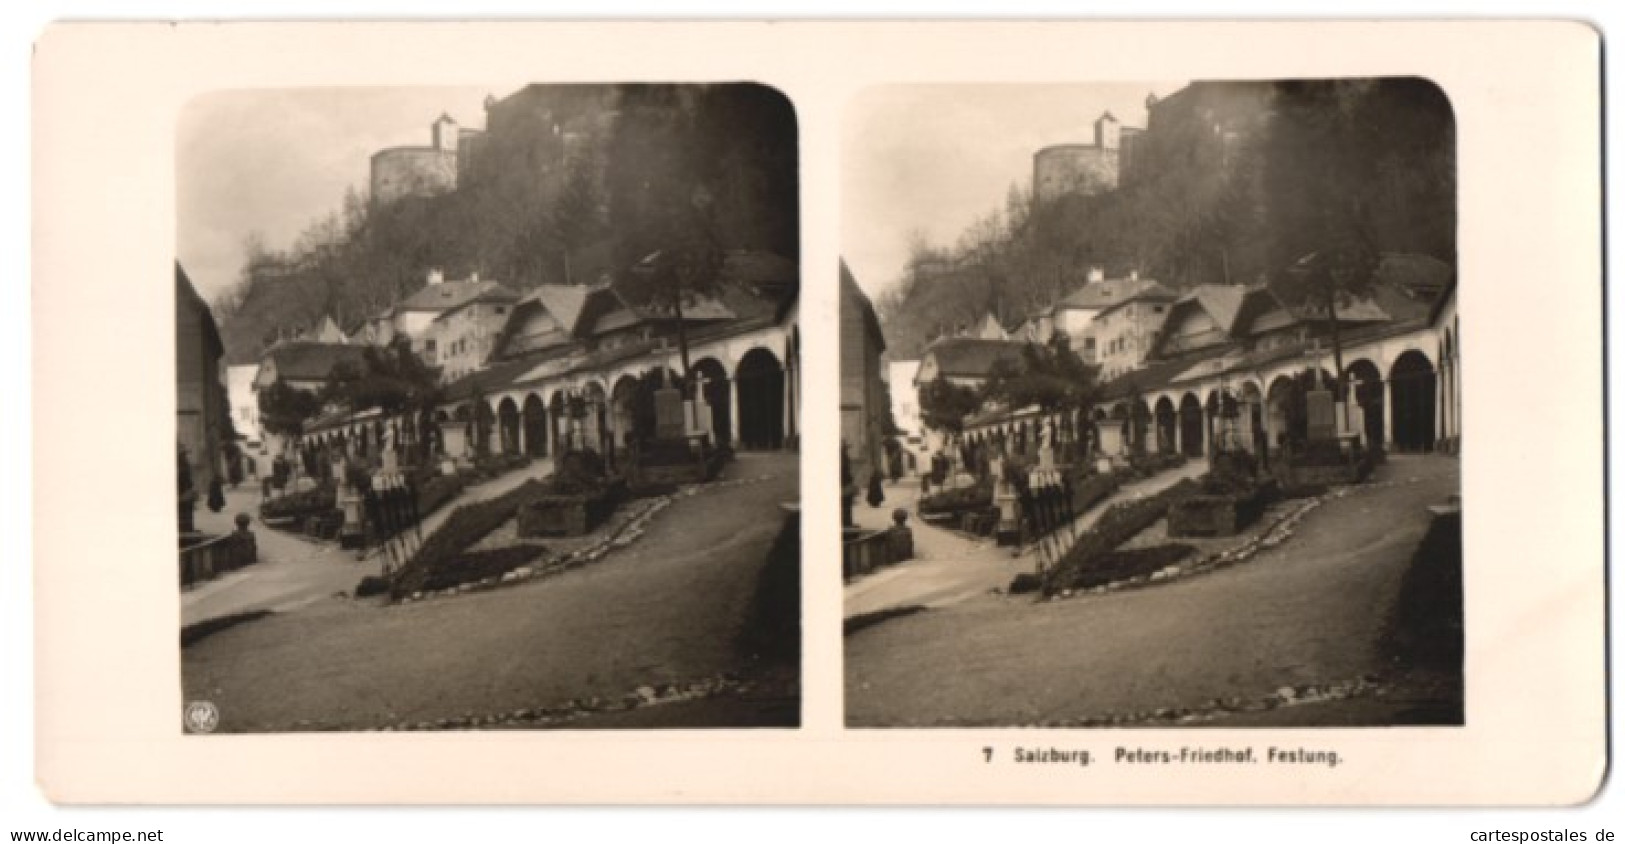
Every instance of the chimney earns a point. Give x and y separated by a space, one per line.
1096 274
436 276
474 277
1133 275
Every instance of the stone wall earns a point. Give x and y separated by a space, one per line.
1073 168
412 171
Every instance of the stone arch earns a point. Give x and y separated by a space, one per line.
716 391
1368 389
595 426
1250 413
508 425
533 416
484 423
1139 425
556 412
1167 424
759 387
1191 425
624 403
1285 410
1412 387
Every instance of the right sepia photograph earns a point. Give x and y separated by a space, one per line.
1150 405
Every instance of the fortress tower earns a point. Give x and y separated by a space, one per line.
399 172
1085 169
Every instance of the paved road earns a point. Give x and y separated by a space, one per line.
1310 611
293 571
666 609
950 567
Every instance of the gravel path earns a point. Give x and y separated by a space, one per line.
667 609
1311 611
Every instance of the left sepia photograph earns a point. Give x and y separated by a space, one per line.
488 406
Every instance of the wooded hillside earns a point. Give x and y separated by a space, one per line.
568 182
1230 183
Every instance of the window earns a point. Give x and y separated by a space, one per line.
428 345
500 309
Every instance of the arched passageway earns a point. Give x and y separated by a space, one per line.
760 388
1412 393
1250 408
1191 425
556 413
1139 426
534 420
508 426
1167 424
1365 380
484 421
714 391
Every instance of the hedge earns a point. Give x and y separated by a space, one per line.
1116 526
1092 490
955 501
311 502
474 566
1153 462
1113 566
436 491
465 526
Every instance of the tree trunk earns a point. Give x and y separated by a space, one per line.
682 341
1339 389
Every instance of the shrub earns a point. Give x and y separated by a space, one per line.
311 502
371 585
465 526
955 501
474 566
436 491
1113 566
1117 525
1024 583
1092 489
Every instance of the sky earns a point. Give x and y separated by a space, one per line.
935 158
928 157
272 161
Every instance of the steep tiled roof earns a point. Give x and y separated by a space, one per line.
563 301
304 361
972 357
1148 291
1099 295
871 323
451 294
495 377
494 294
1156 373
1221 301
187 294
